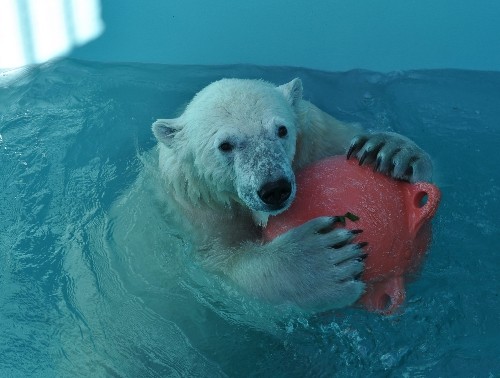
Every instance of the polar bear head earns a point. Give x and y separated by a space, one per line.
234 142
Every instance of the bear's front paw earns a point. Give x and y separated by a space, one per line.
323 263
392 154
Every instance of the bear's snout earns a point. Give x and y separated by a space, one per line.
275 193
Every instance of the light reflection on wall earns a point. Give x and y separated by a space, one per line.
34 31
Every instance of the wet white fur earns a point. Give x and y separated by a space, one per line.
217 191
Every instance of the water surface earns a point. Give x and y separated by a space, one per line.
97 280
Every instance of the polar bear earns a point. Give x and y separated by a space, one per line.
229 162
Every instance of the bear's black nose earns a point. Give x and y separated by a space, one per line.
275 193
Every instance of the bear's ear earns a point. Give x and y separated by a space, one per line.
165 130
292 91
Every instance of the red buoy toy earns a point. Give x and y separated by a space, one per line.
394 216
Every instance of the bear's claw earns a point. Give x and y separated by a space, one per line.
392 154
356 144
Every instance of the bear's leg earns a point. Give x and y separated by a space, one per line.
316 266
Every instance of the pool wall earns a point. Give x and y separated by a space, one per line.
334 35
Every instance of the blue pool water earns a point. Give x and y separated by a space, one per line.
96 280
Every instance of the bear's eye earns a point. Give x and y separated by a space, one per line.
282 131
226 147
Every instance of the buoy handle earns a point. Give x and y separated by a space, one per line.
422 200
